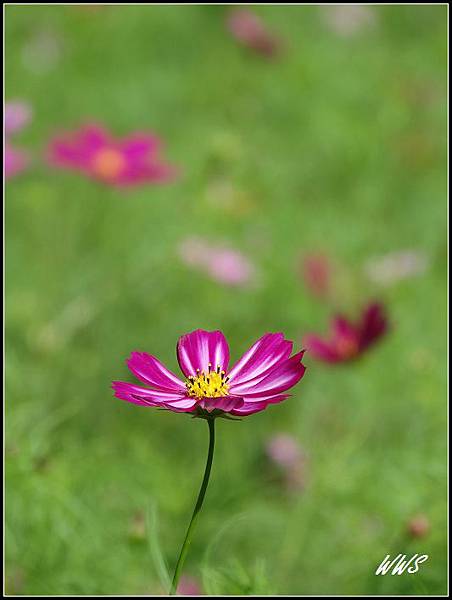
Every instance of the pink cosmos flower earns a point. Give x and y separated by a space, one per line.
189 586
261 377
221 263
418 526
283 450
248 29
16 116
285 453
316 271
348 340
15 160
94 152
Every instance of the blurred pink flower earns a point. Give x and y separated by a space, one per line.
316 272
15 161
16 116
285 453
349 340
249 30
189 586
347 20
393 267
418 526
223 264
283 450
92 151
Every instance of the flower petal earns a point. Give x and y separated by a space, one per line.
139 145
267 352
150 370
343 329
321 349
197 349
249 408
143 396
224 403
182 405
374 324
278 379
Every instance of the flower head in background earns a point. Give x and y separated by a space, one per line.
418 526
261 377
349 340
316 272
249 30
15 160
16 116
285 453
189 586
283 450
221 263
395 266
92 151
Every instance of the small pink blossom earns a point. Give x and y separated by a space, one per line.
316 272
286 454
15 161
262 376
189 586
283 450
221 263
249 30
16 116
348 340
92 151
418 526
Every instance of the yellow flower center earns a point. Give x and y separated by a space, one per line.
108 163
208 385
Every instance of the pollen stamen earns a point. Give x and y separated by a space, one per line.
212 384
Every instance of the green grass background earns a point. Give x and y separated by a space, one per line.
339 146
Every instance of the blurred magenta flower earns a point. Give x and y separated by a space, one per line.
348 340
130 161
249 30
221 263
15 161
316 272
16 116
189 586
395 266
261 377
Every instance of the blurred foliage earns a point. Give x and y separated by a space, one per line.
338 146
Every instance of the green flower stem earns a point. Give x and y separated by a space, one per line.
198 506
